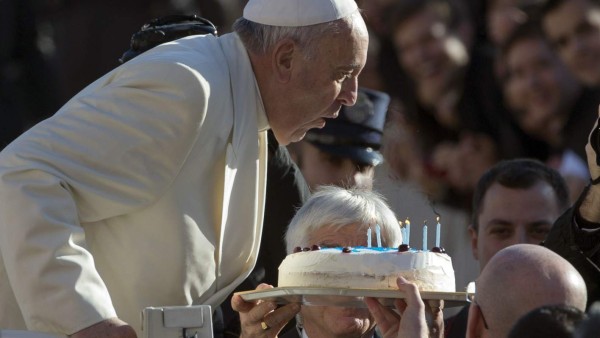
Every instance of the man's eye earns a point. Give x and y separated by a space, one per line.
541 231
500 231
344 76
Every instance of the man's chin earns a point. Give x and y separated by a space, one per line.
348 325
297 137
284 140
299 134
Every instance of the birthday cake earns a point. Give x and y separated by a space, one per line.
367 268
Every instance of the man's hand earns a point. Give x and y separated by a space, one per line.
588 209
411 320
435 318
110 328
262 318
592 150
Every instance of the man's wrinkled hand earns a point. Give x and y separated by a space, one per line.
409 318
262 318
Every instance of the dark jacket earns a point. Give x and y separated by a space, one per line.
580 248
456 326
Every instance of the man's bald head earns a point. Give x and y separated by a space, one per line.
518 279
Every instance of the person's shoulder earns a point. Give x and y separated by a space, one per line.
192 51
197 60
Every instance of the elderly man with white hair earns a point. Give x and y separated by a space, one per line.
334 217
147 188
518 279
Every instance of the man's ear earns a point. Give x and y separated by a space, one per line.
283 57
475 325
474 242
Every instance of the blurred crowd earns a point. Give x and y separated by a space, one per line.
473 86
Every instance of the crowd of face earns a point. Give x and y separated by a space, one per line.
477 85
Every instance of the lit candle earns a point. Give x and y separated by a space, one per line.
437 232
378 233
425 236
407 225
403 232
369 237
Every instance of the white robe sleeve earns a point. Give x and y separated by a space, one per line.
113 148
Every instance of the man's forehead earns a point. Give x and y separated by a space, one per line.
329 233
514 218
529 197
516 221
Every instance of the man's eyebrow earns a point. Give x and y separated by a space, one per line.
352 67
540 223
499 221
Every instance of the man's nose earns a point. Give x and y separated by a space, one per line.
349 91
522 237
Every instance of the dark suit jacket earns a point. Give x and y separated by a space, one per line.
580 248
456 326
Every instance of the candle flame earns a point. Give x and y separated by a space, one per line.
437 219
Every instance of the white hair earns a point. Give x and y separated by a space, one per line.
260 39
338 207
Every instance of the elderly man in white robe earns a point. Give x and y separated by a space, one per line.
147 187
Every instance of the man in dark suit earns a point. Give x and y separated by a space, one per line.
576 234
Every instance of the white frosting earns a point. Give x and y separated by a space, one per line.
367 268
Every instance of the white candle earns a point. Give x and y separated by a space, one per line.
403 232
407 224
378 233
369 238
437 232
425 236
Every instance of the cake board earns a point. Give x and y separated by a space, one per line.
317 296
